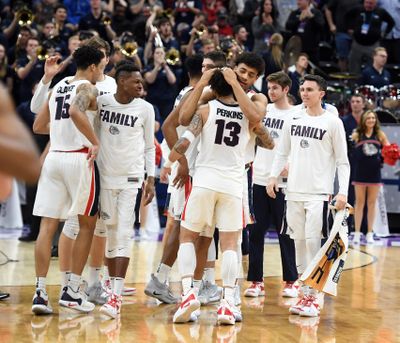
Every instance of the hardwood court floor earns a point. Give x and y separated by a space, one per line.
367 308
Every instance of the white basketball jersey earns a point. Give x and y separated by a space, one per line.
221 160
273 121
126 133
64 135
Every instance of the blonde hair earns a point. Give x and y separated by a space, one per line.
276 42
362 127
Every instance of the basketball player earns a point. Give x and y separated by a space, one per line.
248 67
314 141
216 197
68 183
127 136
179 179
266 209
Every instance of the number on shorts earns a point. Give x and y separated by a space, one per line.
62 109
234 131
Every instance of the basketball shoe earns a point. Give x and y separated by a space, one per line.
310 308
160 291
255 290
225 315
112 307
41 303
96 294
75 300
291 290
209 293
189 304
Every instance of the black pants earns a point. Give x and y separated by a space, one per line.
268 210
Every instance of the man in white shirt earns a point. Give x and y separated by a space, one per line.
315 144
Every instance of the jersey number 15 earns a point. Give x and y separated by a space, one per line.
62 107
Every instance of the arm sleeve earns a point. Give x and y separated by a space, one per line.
282 152
149 147
342 161
40 96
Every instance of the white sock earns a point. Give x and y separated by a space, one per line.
118 285
186 264
106 274
64 279
74 282
112 281
229 268
239 256
94 275
162 272
211 254
229 295
209 275
41 282
196 286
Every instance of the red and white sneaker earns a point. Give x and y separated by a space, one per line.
310 307
225 315
255 290
296 309
128 291
189 304
291 290
112 307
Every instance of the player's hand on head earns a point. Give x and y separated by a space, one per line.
272 187
205 78
340 201
229 75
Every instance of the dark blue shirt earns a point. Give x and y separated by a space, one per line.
349 123
35 74
370 76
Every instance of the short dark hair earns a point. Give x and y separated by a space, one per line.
99 43
57 7
302 54
125 67
252 60
218 57
359 95
281 78
237 28
193 65
85 56
219 85
318 79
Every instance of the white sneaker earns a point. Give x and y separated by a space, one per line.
225 314
238 300
41 303
296 309
189 304
75 301
370 238
310 307
194 315
112 307
356 238
291 290
255 290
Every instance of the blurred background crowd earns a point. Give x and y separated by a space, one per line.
354 44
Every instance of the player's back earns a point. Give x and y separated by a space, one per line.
223 140
64 135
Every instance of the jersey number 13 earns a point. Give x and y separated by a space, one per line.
232 138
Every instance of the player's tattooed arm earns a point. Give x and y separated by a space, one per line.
85 97
263 139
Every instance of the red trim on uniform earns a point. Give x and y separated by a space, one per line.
186 201
90 201
188 188
83 150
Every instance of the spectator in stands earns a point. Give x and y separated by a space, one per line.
167 35
19 49
391 41
162 83
62 29
44 11
185 10
76 10
240 35
95 20
273 57
224 27
297 75
285 8
335 12
29 70
376 75
307 22
6 72
365 23
263 26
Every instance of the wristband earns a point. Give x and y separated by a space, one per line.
189 136
168 163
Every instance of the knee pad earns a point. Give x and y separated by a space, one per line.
211 252
71 227
101 229
119 243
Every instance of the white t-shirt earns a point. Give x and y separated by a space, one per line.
127 142
274 120
223 140
315 146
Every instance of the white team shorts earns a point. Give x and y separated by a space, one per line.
67 186
206 209
71 228
117 206
178 199
306 219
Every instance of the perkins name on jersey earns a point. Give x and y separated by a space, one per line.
307 131
118 118
229 114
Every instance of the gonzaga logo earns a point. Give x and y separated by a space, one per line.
113 130
274 134
304 143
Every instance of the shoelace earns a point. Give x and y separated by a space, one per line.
310 300
114 301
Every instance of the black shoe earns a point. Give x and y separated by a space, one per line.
54 251
4 295
27 235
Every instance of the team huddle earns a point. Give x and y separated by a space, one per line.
226 152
